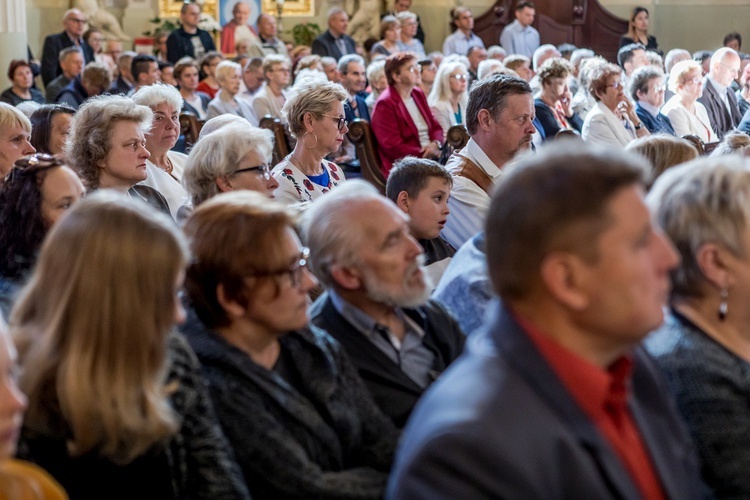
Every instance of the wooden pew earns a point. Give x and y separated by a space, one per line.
361 135
190 126
281 147
704 148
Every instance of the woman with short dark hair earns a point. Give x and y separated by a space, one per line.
22 84
50 127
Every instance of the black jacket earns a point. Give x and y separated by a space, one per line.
179 44
325 46
53 44
395 393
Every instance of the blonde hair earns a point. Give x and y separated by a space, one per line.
663 152
311 96
679 72
441 89
733 143
92 326
11 116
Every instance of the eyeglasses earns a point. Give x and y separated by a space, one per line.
340 121
33 163
414 69
659 88
694 80
283 70
615 85
461 77
294 271
78 21
263 170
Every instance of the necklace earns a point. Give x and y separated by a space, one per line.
297 163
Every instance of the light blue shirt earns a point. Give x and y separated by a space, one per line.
458 43
516 39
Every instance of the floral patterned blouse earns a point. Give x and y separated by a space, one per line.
295 188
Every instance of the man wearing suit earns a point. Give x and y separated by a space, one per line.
718 96
351 69
555 398
74 23
377 301
647 90
335 42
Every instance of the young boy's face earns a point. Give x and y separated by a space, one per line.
429 210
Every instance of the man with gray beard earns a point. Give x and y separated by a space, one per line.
377 300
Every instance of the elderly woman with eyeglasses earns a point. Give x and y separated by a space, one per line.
613 121
554 103
314 430
687 115
449 95
315 114
402 121
232 158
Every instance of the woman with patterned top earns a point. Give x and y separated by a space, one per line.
315 113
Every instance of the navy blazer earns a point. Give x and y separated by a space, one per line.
546 118
394 392
364 112
53 44
656 125
500 424
325 46
721 120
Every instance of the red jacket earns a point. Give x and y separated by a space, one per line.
227 37
394 129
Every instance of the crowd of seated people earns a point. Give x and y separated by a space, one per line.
225 310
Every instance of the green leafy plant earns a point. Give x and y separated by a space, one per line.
305 33
162 26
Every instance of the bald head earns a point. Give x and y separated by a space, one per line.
725 66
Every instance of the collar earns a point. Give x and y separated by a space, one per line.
478 156
721 89
652 110
595 389
78 42
363 322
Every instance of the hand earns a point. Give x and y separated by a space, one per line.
431 151
342 159
566 102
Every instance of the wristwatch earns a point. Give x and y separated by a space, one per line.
639 126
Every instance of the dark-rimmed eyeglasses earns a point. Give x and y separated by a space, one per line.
340 121
263 170
294 271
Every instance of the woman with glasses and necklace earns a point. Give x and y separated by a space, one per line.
315 114
449 95
554 103
402 121
613 121
687 115
165 166
300 420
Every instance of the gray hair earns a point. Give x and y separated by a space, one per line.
158 93
218 154
327 228
310 96
334 12
66 52
375 70
733 143
673 57
488 67
680 70
580 55
496 50
542 54
327 61
219 122
225 68
90 138
441 89
348 59
641 78
406 16
705 200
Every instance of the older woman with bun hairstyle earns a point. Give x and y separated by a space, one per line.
117 407
15 135
315 114
164 167
703 346
301 422
107 147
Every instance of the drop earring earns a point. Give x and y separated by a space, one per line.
723 308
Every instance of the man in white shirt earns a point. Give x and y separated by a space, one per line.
463 38
499 120
519 37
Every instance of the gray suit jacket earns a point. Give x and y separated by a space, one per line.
721 120
500 424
